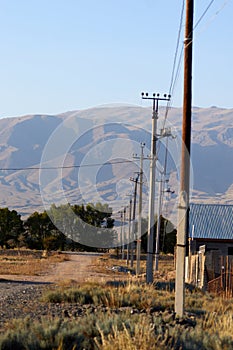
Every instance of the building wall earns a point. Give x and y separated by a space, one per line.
220 245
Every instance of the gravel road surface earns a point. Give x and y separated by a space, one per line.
20 295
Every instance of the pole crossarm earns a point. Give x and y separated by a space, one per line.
156 97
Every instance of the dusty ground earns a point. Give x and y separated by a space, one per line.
20 295
78 268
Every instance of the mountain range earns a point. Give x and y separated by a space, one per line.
90 155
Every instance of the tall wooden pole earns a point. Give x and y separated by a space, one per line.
183 206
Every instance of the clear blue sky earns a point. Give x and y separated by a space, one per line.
60 55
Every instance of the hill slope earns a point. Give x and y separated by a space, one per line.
89 156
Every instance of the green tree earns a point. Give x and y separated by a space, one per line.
167 237
11 228
99 229
43 234
98 215
66 224
38 227
91 225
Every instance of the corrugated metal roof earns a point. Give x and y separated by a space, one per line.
211 221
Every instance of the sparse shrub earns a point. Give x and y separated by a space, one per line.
135 295
135 317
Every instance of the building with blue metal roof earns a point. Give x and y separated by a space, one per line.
211 225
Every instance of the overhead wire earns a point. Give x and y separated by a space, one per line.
176 68
177 46
203 14
225 2
176 72
67 166
174 76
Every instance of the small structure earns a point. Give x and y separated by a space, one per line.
210 257
211 225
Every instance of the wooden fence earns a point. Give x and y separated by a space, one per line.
210 271
223 284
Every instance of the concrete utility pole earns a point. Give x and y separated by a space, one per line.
129 231
134 215
123 239
151 221
183 206
158 223
139 235
166 132
121 233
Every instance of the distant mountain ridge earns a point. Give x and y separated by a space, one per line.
97 137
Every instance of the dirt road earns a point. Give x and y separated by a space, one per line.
20 295
78 268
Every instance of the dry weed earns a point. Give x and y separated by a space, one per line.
28 265
105 263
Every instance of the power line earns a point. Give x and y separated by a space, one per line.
203 15
67 166
225 2
175 68
177 47
174 75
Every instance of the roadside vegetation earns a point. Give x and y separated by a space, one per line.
124 314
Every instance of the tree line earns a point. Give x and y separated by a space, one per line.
72 227
60 228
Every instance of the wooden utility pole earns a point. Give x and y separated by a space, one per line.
183 205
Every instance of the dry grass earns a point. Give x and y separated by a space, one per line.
143 338
105 263
132 316
30 264
126 294
119 328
